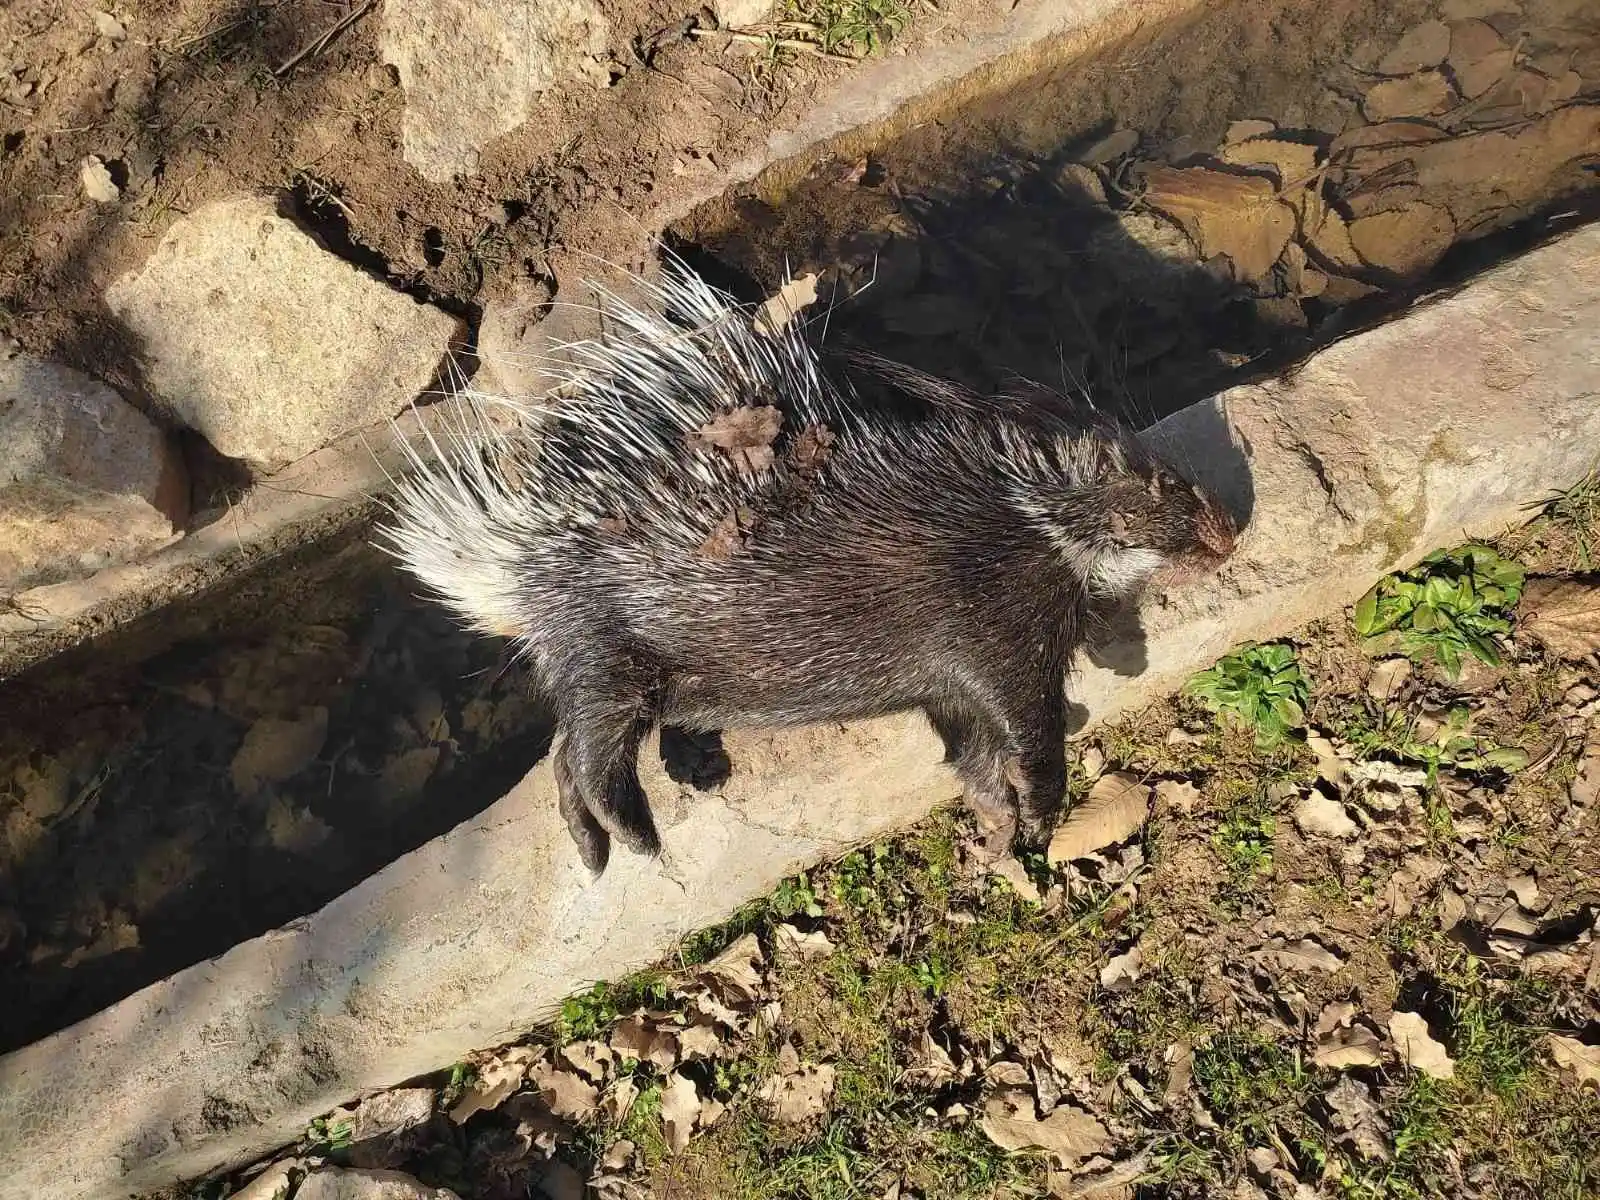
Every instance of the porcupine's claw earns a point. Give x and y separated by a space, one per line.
593 842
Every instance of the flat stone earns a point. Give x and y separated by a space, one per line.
86 479
473 70
741 14
267 344
333 1183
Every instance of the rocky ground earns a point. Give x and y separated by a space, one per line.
1323 925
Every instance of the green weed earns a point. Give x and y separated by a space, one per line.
589 1014
1450 605
853 27
1397 734
1259 686
1578 508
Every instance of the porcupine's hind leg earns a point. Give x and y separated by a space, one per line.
607 706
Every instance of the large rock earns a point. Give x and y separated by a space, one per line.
267 344
473 70
86 480
1377 451
1439 425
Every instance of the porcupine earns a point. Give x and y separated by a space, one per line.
710 526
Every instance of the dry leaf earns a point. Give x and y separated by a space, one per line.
698 1041
1180 1071
1112 812
1304 954
680 1109
1179 795
407 774
1519 159
789 941
1356 1118
1572 1055
1385 133
567 1093
1388 675
1122 972
1406 240
1414 96
1341 1049
1015 874
1237 215
1335 1015
1417 1047
735 972
97 182
791 299
1478 56
592 1058
1563 615
1319 816
618 1156
745 434
494 1082
1420 47
618 1102
1330 239
931 1067
635 1038
274 749
799 1096
1293 161
1243 131
391 1112
1069 1133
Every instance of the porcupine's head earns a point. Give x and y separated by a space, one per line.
1124 516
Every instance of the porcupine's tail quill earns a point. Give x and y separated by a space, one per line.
499 474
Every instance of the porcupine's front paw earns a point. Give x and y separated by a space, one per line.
626 816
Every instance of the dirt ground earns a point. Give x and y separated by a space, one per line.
1344 949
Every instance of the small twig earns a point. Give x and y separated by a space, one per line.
761 39
321 43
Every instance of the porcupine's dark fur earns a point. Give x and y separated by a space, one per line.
929 549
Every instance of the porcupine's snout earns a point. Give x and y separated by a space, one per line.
1213 537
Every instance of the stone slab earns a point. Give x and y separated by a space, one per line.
1440 425
473 70
86 479
313 497
267 344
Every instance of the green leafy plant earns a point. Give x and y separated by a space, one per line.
794 896
1451 604
1260 686
333 1134
1449 745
